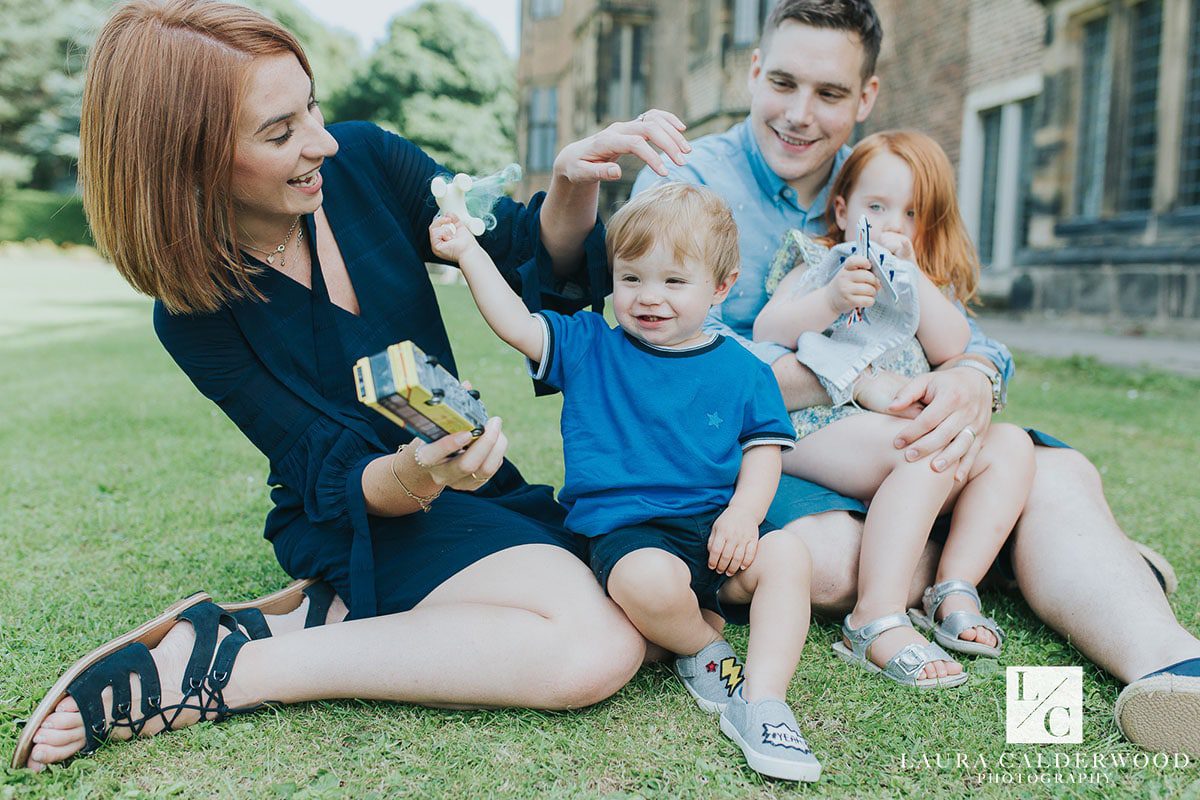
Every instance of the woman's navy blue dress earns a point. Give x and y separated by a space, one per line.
281 370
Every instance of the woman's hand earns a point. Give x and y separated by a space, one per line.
594 159
854 286
450 239
470 469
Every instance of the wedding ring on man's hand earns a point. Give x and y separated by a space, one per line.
970 430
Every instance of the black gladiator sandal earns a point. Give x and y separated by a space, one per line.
203 685
251 615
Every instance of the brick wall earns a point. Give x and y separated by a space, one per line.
922 68
1006 38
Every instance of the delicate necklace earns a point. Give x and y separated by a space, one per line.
279 251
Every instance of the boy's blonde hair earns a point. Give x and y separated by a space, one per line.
693 220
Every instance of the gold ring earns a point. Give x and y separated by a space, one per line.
476 477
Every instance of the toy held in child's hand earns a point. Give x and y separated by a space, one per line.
472 199
412 390
877 260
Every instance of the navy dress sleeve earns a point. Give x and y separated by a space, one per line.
514 244
309 453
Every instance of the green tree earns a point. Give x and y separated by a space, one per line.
333 53
442 79
43 45
43 51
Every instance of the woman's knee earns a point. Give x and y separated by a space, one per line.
599 652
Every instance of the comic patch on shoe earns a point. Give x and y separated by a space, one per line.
784 735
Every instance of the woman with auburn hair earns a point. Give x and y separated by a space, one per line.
280 251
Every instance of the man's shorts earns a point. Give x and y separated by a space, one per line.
686 538
798 498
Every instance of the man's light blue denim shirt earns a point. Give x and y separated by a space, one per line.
765 207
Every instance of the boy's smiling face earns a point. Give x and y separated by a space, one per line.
664 302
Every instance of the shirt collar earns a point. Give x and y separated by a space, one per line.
774 186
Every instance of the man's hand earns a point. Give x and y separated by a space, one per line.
854 286
957 413
733 542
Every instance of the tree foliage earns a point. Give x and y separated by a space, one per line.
43 51
43 44
442 79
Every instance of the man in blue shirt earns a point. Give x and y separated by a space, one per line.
811 80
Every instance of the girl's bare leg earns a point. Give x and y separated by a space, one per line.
855 456
484 638
985 512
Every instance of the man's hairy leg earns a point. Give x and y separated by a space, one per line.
1083 577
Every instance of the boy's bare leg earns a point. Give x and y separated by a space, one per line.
776 585
985 512
654 590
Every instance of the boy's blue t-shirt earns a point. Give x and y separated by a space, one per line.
650 432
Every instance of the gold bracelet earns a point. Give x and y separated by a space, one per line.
424 502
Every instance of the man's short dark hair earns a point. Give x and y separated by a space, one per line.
856 16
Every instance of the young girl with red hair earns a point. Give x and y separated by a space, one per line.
845 323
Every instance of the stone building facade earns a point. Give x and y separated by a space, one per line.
1074 124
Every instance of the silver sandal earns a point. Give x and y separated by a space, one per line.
947 631
906 665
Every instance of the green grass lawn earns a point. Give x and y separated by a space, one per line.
122 489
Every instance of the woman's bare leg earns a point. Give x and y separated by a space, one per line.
527 626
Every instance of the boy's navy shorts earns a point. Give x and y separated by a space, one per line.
686 538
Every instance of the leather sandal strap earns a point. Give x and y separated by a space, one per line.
320 597
205 619
114 671
937 593
913 658
255 623
861 638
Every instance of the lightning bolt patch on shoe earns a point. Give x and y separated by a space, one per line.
731 673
